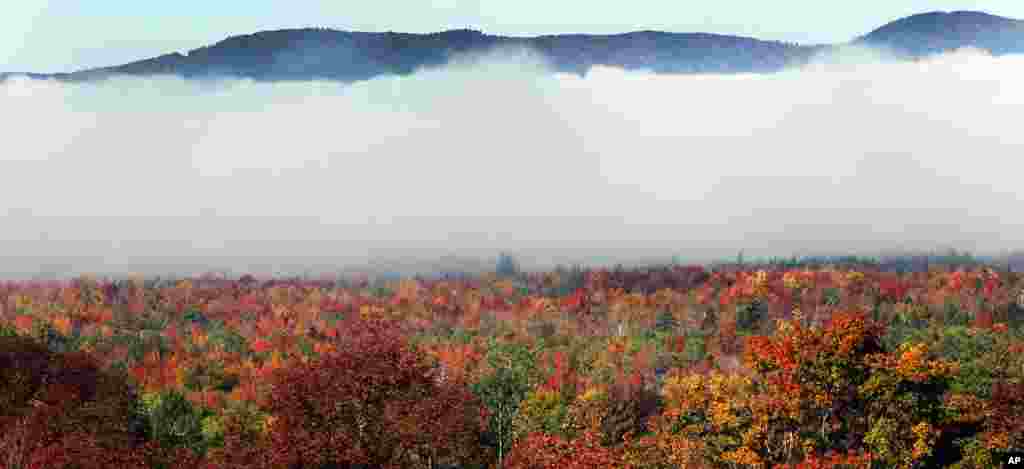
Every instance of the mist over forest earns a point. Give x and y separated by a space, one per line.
851 152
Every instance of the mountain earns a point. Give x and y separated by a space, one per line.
303 54
934 32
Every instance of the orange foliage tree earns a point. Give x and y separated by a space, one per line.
814 392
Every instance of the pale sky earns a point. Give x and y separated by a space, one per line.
65 35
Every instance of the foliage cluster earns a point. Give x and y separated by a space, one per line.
657 367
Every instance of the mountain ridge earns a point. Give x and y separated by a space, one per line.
349 56
933 32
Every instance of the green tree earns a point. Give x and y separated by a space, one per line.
504 389
174 421
506 266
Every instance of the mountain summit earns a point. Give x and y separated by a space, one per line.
934 32
305 54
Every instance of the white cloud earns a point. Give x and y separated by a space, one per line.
842 156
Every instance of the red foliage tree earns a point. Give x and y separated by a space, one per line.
61 410
374 401
542 451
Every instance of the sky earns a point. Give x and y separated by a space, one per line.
67 35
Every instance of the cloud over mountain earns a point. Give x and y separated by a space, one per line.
844 154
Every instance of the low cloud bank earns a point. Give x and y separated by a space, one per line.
853 154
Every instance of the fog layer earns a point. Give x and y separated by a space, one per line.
844 156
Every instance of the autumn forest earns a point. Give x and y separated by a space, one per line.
790 366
